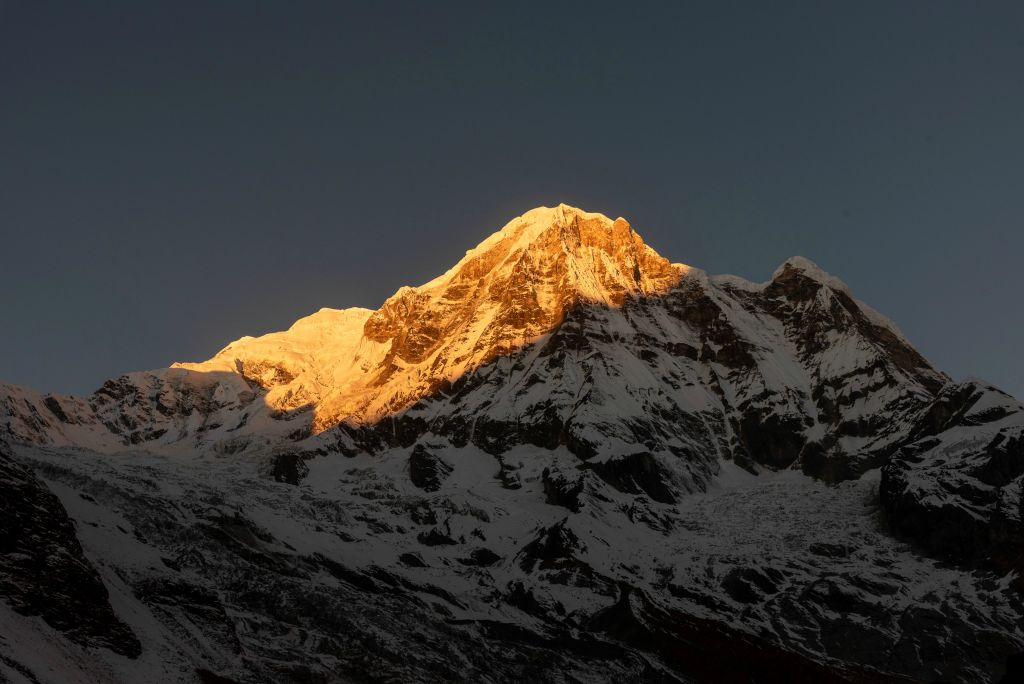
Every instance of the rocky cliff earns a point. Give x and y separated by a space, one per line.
564 455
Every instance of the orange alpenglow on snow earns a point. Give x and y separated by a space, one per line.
356 365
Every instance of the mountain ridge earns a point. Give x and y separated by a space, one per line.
563 440
406 329
749 368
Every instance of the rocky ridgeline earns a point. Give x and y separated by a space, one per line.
495 437
43 571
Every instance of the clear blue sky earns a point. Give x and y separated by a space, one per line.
174 175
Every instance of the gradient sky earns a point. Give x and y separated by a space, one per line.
176 175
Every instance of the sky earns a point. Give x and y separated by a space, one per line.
175 175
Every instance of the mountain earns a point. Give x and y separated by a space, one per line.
565 458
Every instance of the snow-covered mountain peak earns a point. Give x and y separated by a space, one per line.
599 258
797 268
565 454
811 270
513 287
517 285
558 295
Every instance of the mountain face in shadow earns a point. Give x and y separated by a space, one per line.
561 328
563 434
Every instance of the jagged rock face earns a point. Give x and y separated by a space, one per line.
865 382
958 487
288 467
43 570
713 369
565 454
426 470
563 328
359 570
521 285
516 286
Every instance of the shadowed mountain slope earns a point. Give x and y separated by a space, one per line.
564 455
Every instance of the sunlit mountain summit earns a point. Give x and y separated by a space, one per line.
564 454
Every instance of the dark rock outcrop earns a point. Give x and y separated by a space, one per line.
426 470
43 570
958 489
553 547
289 467
639 473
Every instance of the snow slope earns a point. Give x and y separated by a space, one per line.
564 322
564 457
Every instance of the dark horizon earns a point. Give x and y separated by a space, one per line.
176 176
